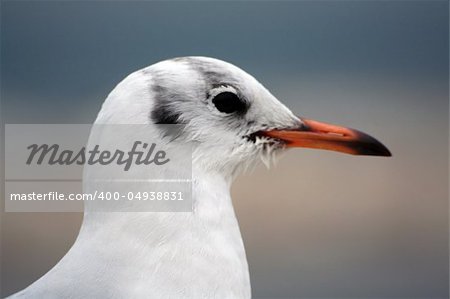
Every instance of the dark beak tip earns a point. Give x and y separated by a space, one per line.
370 146
377 149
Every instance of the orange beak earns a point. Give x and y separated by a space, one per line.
325 136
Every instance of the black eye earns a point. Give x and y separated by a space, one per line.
228 102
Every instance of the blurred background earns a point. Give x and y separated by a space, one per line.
320 224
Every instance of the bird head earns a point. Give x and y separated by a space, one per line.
229 118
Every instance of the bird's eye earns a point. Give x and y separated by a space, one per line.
228 102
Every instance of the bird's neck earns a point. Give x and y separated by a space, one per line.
211 206
158 253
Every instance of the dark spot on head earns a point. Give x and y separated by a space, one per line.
163 114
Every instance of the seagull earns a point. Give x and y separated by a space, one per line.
232 121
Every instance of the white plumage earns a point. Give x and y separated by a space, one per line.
199 254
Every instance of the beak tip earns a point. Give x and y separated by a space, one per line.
377 149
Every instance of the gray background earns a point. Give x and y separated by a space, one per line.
318 225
